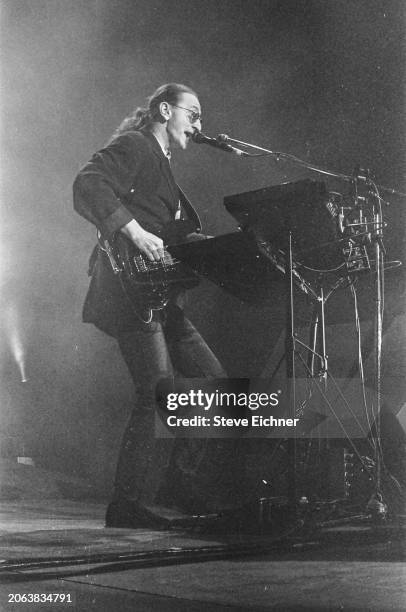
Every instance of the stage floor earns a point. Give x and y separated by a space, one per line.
61 547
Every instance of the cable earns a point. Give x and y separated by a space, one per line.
360 360
342 265
328 403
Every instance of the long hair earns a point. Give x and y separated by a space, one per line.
143 116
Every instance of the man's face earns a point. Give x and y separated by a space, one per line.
184 120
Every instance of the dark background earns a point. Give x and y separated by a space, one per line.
319 79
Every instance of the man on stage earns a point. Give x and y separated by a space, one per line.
128 187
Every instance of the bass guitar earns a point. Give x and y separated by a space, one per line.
150 285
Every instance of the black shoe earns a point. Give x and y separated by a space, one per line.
126 514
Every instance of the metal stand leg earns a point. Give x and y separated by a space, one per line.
376 504
290 375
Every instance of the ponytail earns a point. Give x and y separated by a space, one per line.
142 117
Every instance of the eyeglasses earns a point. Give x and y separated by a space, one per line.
193 115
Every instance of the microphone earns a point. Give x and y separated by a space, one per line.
200 138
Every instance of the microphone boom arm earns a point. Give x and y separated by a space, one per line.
292 158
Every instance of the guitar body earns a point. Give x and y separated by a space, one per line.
150 285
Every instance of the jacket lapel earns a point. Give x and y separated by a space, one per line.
164 165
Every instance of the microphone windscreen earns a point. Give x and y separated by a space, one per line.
199 138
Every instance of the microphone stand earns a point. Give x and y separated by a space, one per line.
376 503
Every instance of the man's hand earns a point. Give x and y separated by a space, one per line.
149 244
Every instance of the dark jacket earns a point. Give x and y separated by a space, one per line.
129 179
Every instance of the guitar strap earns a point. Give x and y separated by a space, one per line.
189 209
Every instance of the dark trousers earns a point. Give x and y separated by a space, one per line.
171 472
